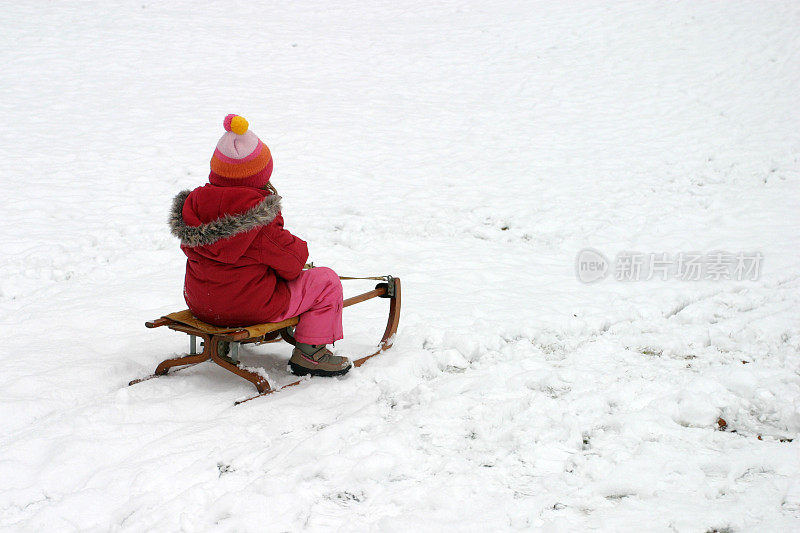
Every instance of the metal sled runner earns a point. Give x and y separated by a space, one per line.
211 336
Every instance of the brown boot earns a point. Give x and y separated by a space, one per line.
320 362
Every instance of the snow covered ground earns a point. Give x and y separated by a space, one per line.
472 149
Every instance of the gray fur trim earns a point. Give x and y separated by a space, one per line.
225 226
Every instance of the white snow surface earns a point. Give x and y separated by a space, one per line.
472 149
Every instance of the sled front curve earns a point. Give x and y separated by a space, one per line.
211 335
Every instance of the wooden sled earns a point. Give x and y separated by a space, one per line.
185 322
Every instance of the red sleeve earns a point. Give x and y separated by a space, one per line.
281 250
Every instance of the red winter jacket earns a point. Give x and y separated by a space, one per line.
239 255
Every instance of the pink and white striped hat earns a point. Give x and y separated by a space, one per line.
240 159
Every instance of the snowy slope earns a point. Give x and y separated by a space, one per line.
471 149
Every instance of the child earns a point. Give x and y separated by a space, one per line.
243 267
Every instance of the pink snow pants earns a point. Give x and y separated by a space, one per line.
316 296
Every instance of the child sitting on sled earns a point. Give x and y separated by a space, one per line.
242 266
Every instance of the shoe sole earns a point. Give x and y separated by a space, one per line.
298 370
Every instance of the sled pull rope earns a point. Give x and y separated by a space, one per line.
378 278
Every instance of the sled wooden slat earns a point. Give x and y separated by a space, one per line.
185 322
363 297
186 317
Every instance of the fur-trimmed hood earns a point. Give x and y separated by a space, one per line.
224 227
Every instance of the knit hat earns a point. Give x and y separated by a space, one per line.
241 159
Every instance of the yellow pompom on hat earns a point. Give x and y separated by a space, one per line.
236 124
240 159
